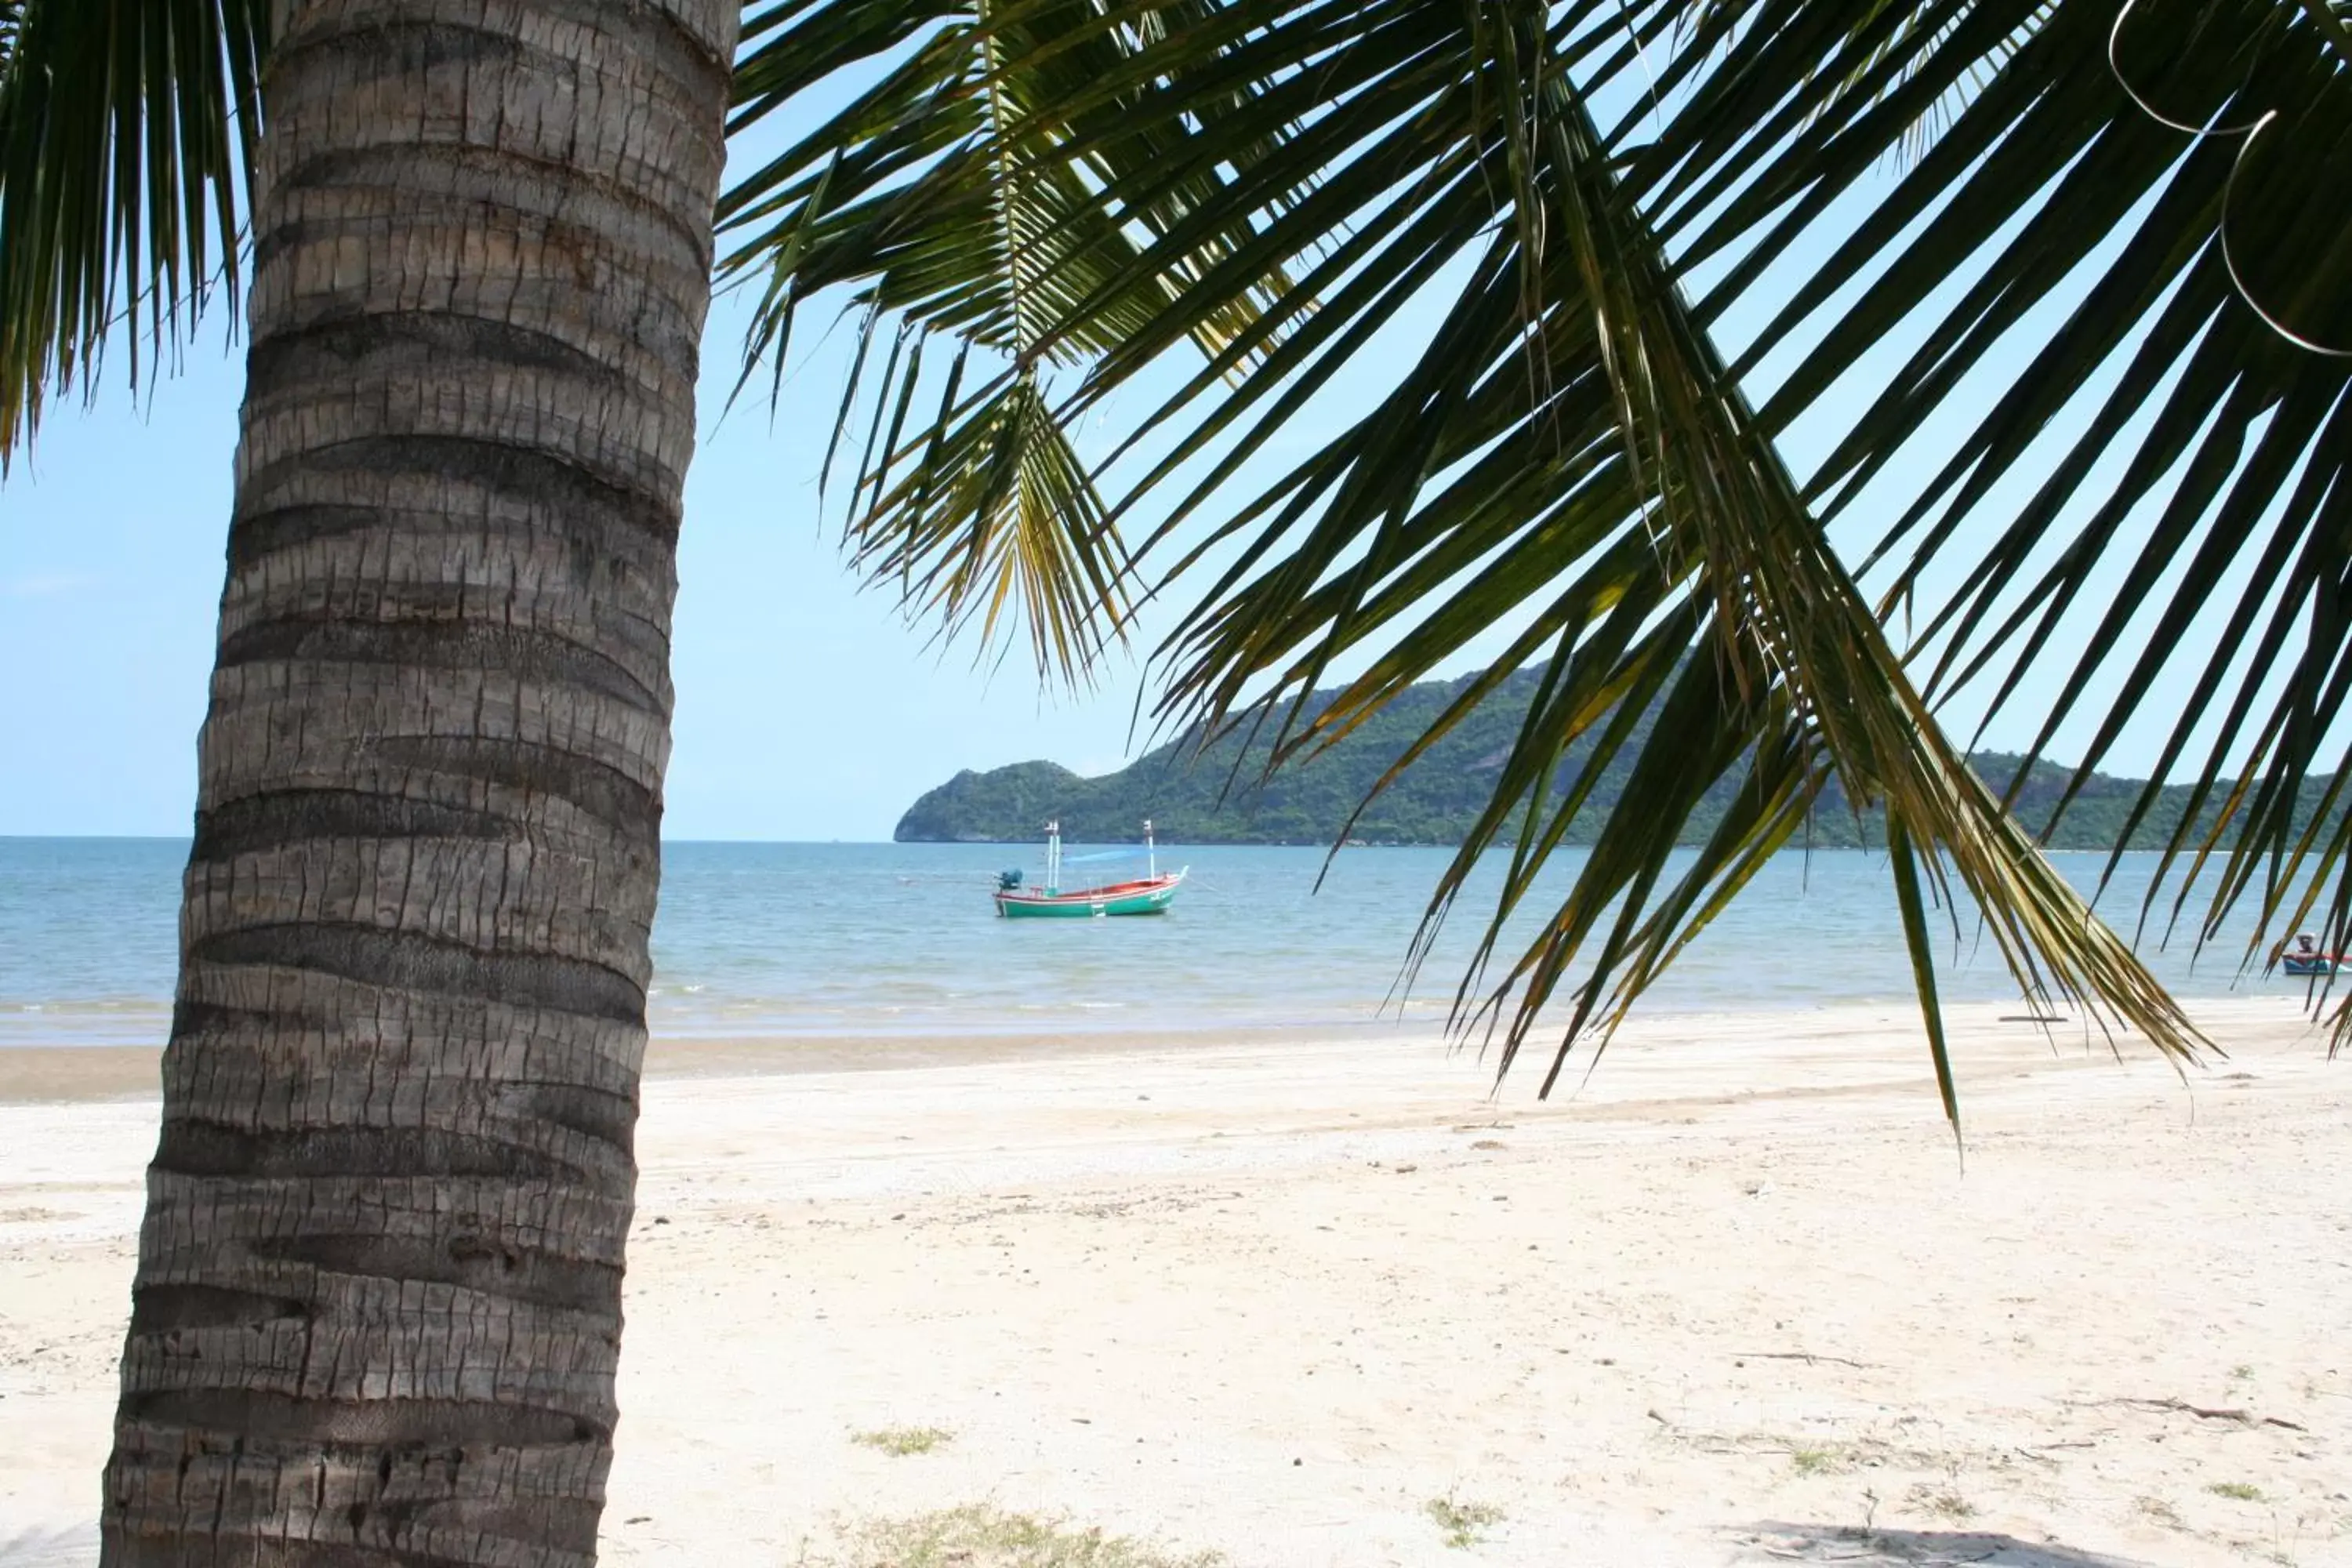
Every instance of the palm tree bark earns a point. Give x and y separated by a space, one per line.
377 1312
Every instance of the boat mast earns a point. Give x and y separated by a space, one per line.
1053 857
1150 851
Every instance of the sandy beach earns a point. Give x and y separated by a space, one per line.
1309 1301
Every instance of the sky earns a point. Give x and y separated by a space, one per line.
808 707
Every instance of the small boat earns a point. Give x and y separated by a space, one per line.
1149 894
2306 958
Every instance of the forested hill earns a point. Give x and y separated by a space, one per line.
1433 803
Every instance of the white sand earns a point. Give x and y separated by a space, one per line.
1730 1302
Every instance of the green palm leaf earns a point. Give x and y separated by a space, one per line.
1567 454
2206 483
122 128
956 196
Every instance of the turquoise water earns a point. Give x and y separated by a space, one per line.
864 940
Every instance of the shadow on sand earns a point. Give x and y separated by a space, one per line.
1825 1543
70 1546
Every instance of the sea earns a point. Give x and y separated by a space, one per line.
885 941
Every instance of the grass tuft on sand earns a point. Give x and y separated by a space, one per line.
900 1441
1463 1522
980 1535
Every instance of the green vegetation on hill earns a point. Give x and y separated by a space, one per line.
1433 803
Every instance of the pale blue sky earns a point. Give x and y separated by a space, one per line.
806 707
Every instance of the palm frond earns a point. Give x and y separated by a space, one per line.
1568 454
993 517
123 130
2128 267
956 195
1771 662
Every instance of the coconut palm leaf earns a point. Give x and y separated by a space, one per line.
1568 454
948 203
123 124
2173 183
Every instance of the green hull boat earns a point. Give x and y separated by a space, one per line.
1149 898
1150 894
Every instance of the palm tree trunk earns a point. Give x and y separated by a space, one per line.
377 1312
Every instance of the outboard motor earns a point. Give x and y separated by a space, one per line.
1008 881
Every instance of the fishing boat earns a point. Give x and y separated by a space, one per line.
2307 958
1149 894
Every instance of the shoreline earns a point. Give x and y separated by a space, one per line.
51 1074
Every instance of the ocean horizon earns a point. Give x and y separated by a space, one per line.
790 940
